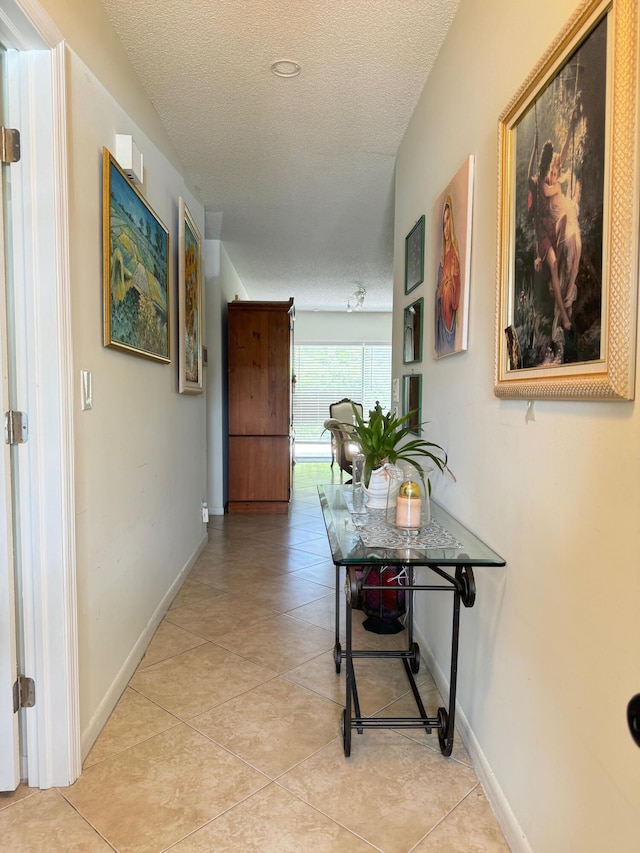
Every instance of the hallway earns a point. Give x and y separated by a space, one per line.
228 735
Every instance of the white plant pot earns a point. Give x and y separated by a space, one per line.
383 487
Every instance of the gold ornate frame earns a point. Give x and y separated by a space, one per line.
136 312
612 375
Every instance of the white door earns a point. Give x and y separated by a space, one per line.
9 741
37 254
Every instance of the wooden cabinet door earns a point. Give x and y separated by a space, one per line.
259 370
259 469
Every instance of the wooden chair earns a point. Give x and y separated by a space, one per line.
342 450
343 410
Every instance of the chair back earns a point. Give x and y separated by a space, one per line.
343 410
343 448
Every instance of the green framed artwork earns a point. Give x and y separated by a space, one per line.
135 268
413 327
414 256
411 400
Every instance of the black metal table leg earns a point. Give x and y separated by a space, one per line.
467 585
413 647
465 591
349 679
337 649
446 718
462 585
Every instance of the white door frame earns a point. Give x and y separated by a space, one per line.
42 310
9 734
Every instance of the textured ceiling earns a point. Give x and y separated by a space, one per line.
296 175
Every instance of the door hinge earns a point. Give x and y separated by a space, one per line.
9 145
24 693
16 428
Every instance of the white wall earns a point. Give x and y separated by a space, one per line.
86 28
549 653
331 326
140 451
222 287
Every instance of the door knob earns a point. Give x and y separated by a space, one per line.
633 718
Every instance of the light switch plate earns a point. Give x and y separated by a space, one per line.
86 392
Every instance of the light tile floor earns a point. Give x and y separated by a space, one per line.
228 735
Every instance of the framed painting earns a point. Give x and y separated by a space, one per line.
453 220
413 325
411 400
190 351
414 256
568 217
136 268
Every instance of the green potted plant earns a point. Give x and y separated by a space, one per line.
386 439
382 441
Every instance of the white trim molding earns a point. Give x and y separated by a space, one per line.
24 25
513 833
46 507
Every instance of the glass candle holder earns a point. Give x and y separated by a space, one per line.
410 510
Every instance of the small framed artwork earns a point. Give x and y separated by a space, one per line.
414 256
411 400
135 268
413 325
568 215
453 221
190 350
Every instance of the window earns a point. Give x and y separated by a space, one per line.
326 373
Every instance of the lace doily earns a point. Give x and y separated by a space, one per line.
376 532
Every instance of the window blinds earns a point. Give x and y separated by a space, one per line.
326 373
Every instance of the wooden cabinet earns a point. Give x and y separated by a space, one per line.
260 337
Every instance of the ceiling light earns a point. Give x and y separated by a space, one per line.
358 298
285 68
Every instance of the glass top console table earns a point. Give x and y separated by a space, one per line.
438 558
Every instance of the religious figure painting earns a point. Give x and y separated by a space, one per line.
190 319
559 188
453 219
568 219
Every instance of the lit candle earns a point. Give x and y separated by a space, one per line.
408 511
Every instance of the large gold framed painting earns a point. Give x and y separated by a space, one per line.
136 269
568 216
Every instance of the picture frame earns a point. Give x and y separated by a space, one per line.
453 216
413 331
414 257
412 400
136 309
570 333
190 303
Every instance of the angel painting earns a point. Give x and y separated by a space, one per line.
559 213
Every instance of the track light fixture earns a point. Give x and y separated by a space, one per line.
357 297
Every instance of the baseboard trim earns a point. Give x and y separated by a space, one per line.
509 825
119 684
